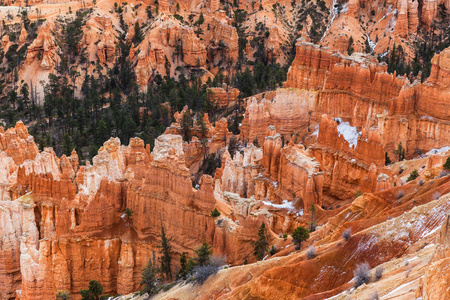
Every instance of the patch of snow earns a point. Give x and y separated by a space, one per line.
333 13
316 132
425 234
429 245
372 45
400 287
389 11
350 133
427 118
344 8
382 55
286 205
382 177
265 257
393 22
436 151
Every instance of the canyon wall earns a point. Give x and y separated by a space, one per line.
65 224
367 105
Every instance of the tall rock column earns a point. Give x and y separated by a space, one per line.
271 152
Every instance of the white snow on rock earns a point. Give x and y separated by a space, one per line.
286 205
436 151
350 133
316 131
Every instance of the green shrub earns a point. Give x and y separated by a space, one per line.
94 292
446 165
215 213
414 174
62 295
273 250
299 235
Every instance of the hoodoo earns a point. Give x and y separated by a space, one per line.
224 150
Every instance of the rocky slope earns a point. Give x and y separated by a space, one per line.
321 139
183 37
63 224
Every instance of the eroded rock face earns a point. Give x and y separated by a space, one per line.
100 39
10 232
300 176
436 281
168 39
351 106
64 224
286 109
44 48
358 90
23 35
224 96
237 174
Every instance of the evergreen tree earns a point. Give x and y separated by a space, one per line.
101 132
129 129
387 159
165 259
138 37
215 213
261 246
299 235
183 266
414 174
203 253
186 123
446 165
312 224
201 19
94 292
25 97
350 48
149 279
67 145
13 98
400 151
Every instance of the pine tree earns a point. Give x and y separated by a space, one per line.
149 279
94 292
446 165
186 123
67 145
414 174
387 159
261 246
400 151
203 253
184 266
25 99
299 235
137 33
165 259
312 224
350 49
